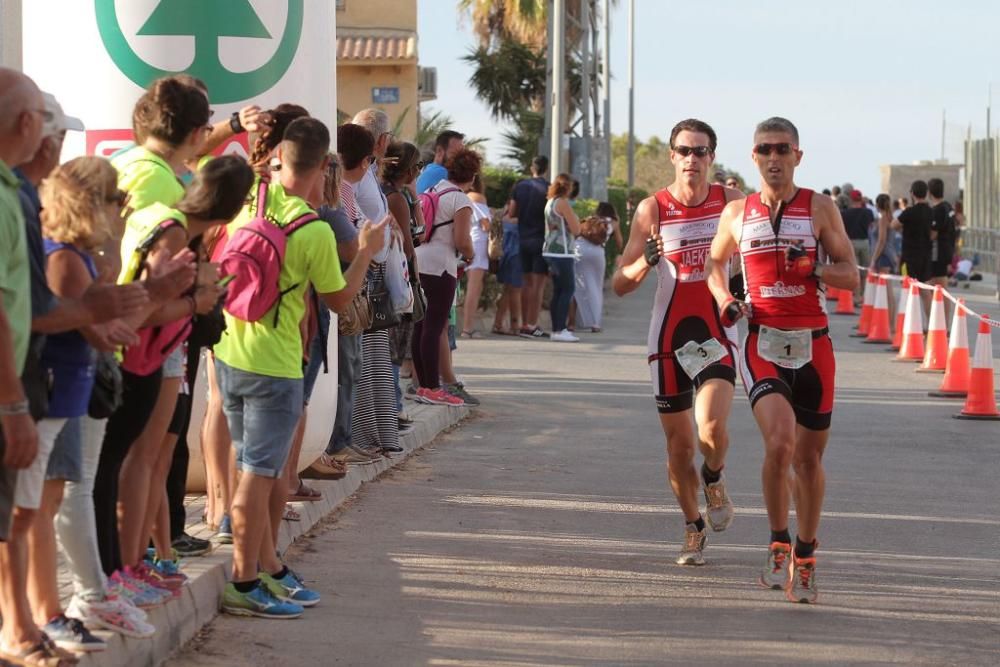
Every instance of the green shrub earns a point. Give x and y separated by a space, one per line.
499 181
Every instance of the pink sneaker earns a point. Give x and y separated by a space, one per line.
142 573
438 397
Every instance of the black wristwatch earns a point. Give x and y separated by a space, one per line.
234 123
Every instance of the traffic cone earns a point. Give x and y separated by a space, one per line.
956 375
866 308
912 348
845 302
832 293
981 402
878 329
904 294
936 354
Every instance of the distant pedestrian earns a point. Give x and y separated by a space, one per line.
527 205
446 145
561 225
595 232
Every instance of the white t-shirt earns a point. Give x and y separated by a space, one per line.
372 204
479 212
438 255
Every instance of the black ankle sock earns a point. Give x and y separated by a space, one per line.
699 523
245 586
804 549
781 536
710 476
280 574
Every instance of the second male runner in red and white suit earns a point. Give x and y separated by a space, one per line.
783 234
692 357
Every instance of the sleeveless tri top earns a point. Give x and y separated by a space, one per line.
780 298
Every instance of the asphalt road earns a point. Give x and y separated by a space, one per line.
542 532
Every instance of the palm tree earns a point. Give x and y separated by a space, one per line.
496 20
507 77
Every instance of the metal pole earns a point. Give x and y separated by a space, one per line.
547 110
558 56
587 79
631 93
606 75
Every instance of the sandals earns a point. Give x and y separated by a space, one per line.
43 654
470 334
500 331
291 514
305 493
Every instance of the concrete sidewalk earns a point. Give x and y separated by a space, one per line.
178 621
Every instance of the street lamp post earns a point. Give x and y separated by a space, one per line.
558 56
631 94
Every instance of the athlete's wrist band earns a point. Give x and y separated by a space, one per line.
234 123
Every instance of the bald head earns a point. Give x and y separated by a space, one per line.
22 111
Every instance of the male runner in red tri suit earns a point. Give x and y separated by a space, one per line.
783 234
689 350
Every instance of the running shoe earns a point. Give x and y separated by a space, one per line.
438 397
150 578
259 602
532 333
168 570
563 336
188 545
777 570
694 544
410 393
112 614
405 427
71 635
290 589
139 592
802 584
458 389
354 456
718 505
224 535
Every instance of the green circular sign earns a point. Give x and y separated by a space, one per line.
207 22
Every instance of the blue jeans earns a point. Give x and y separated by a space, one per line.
262 413
349 361
563 286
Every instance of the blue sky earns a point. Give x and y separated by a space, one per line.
864 80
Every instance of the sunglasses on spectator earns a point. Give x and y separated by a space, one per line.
699 151
766 149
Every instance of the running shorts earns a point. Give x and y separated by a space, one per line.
809 389
674 390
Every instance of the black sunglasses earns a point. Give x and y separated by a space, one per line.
699 151
766 149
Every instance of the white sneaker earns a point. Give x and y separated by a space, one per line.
564 336
110 614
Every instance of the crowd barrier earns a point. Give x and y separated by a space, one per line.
937 350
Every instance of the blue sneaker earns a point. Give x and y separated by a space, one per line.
259 602
224 535
70 634
290 588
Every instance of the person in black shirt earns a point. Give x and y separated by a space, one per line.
916 222
527 205
942 232
857 219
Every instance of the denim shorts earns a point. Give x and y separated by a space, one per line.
173 365
66 460
262 413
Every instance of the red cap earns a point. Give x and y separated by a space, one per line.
856 195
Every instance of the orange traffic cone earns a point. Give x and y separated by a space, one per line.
832 293
912 348
981 403
866 308
936 356
845 302
904 294
956 375
878 329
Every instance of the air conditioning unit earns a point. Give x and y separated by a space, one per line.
427 83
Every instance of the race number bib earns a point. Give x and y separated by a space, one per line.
695 357
788 349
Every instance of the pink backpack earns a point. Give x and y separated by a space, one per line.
429 207
156 342
255 254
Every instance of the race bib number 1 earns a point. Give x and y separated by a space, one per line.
788 349
695 357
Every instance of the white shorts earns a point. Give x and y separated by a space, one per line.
480 245
28 493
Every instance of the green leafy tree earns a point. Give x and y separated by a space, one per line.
508 77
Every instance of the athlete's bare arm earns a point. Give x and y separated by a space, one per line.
634 266
724 245
842 272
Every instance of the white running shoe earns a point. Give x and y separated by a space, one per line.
718 505
694 544
777 570
564 336
110 614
